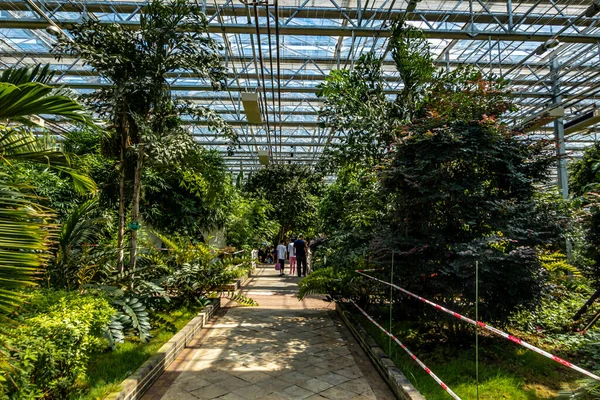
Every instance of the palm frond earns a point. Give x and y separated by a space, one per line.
20 144
34 98
34 73
26 235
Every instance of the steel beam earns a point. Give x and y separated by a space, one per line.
449 16
303 30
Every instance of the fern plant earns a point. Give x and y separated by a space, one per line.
557 265
329 282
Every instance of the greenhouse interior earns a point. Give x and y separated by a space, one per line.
299 199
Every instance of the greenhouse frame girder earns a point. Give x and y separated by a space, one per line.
500 38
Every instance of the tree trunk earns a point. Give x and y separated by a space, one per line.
121 232
135 204
587 304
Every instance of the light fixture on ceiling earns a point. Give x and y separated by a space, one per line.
263 157
54 30
542 118
412 4
590 118
547 45
593 9
251 107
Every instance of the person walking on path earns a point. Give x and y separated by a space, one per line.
281 250
300 249
292 256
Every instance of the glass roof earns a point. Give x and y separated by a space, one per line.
501 38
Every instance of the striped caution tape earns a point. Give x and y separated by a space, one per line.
427 370
489 328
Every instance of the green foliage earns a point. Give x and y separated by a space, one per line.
435 178
26 226
355 109
584 174
189 198
584 184
462 192
241 299
73 257
191 282
149 128
334 283
52 344
554 311
250 222
106 370
414 63
292 190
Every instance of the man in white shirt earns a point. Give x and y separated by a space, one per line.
292 256
281 250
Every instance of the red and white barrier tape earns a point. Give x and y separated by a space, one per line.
427 370
489 328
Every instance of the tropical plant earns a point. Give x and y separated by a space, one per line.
172 37
49 350
79 231
190 198
250 222
293 191
26 226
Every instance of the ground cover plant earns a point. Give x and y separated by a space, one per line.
106 370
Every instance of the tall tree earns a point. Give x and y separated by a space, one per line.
172 37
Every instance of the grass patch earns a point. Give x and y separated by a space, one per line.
506 371
107 370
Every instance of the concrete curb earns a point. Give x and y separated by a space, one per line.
398 383
141 380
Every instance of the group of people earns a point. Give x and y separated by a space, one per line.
295 252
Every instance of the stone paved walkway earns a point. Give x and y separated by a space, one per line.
283 349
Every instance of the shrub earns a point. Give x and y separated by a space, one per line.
193 282
51 345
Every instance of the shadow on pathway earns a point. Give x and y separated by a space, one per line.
282 349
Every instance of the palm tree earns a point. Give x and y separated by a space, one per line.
27 229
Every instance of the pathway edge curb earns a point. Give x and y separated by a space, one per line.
396 380
142 379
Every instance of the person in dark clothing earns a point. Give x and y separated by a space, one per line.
300 248
261 255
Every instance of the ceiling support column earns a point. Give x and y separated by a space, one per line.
559 132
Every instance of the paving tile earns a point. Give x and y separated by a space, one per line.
215 376
178 395
295 377
315 385
350 372
274 384
358 386
333 378
211 391
234 383
252 376
189 385
336 393
274 396
296 393
252 392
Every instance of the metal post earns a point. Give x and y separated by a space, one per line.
477 326
509 8
559 132
391 304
